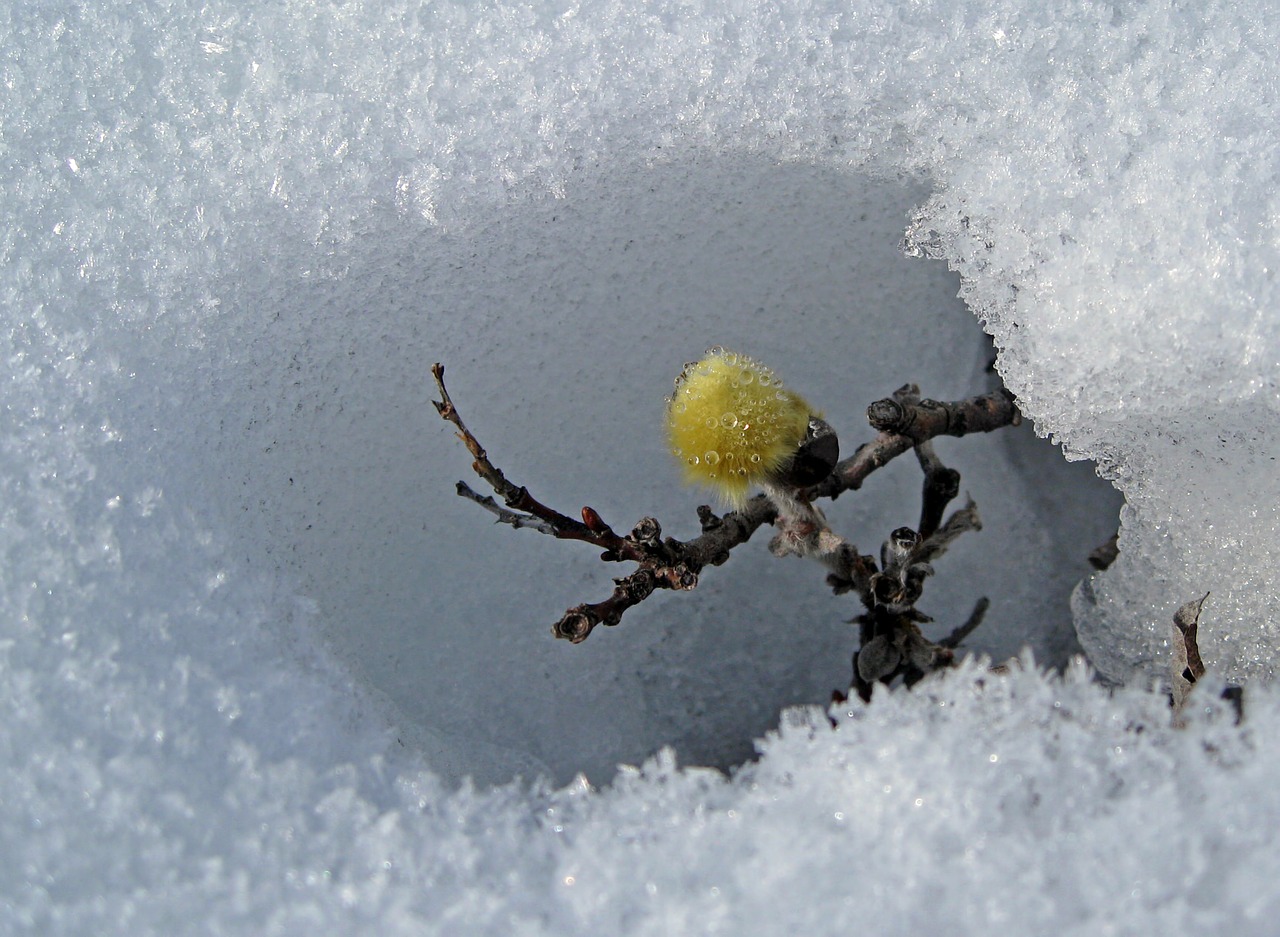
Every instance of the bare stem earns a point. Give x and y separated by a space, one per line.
904 421
956 638
903 424
591 529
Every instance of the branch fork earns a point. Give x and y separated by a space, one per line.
893 645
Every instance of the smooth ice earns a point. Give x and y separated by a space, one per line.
252 644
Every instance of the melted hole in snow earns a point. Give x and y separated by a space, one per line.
306 428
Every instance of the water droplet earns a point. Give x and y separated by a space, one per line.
755 458
692 460
765 379
681 407
716 350
728 420
712 422
746 376
712 457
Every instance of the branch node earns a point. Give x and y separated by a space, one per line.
648 532
708 519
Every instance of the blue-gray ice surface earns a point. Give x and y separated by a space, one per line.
251 645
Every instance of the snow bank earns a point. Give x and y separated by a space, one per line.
245 638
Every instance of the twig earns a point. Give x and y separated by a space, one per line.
722 534
577 623
904 421
591 529
956 638
505 515
903 425
961 521
941 485
892 644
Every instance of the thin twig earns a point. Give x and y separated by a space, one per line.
592 529
904 425
505 515
956 638
904 421
941 485
961 521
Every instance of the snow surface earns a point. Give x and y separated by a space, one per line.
251 642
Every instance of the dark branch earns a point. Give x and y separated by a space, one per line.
892 644
961 521
941 485
733 529
905 421
592 529
956 638
631 590
904 424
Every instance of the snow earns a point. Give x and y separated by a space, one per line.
263 673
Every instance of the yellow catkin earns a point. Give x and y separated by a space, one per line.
731 423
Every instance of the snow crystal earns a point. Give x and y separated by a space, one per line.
252 645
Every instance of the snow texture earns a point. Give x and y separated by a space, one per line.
251 645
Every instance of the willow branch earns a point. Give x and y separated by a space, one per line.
903 423
591 529
505 515
957 637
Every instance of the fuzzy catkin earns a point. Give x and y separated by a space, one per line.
732 424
